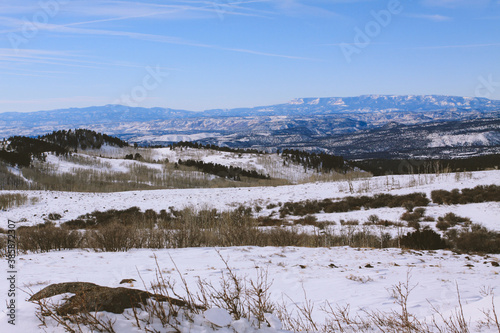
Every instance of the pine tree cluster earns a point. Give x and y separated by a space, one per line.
317 161
234 173
82 139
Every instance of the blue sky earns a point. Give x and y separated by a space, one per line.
196 54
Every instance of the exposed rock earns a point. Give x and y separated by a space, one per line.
91 297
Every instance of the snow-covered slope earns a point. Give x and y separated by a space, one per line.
71 205
111 159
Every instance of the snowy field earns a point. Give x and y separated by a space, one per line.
70 205
360 278
337 275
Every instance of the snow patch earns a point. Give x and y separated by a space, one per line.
219 317
473 139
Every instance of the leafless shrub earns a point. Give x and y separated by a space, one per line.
239 296
3 245
46 237
456 323
362 279
9 200
339 319
349 222
112 238
491 317
299 318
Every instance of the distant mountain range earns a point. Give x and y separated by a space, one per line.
344 125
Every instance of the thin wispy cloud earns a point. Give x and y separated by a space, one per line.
237 50
32 74
497 18
430 17
20 71
456 3
125 10
354 44
465 46
60 58
70 29
122 10
300 8
138 10
75 99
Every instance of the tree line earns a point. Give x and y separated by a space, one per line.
21 150
380 167
317 161
82 139
234 173
196 145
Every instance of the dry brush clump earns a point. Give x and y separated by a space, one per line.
451 220
47 237
475 238
477 194
9 200
425 239
348 204
122 230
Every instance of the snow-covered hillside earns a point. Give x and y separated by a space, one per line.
70 205
266 164
463 140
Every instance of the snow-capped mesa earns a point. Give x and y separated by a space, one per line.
110 118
